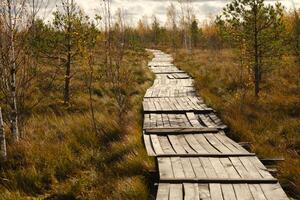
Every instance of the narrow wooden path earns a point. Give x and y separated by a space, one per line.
195 158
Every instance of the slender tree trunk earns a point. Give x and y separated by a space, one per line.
256 56
67 78
13 71
2 138
90 87
69 57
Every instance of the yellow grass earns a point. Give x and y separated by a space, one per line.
61 156
271 124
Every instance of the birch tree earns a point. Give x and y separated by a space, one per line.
172 24
2 138
12 21
186 21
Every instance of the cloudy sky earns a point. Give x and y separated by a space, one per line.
136 9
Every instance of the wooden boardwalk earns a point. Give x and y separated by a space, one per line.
195 158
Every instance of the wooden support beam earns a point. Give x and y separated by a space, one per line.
219 180
175 72
203 111
208 155
178 131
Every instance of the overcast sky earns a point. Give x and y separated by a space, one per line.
136 9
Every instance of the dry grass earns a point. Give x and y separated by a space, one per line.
271 124
61 156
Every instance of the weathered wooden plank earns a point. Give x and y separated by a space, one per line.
177 167
165 145
257 192
206 145
176 144
198 168
148 145
165 168
242 192
219 169
191 191
204 192
219 180
215 191
194 143
156 145
176 192
163 192
273 192
187 168
228 192
217 144
230 170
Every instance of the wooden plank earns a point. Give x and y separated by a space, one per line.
228 192
215 191
208 168
148 145
217 144
239 167
257 192
193 119
219 169
242 192
156 145
273 192
194 143
176 192
165 145
165 168
260 167
206 145
198 168
191 191
230 170
229 145
187 168
176 144
163 192
177 167
204 192
252 170
185 145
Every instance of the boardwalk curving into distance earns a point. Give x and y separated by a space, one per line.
195 158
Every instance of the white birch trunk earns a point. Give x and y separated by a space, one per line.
13 71
3 151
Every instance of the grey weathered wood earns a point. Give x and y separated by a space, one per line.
274 192
148 145
176 192
228 192
219 180
196 159
177 131
163 192
215 191
219 155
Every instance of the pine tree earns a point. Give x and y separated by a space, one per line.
260 27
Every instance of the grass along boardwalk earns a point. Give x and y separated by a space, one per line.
195 158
